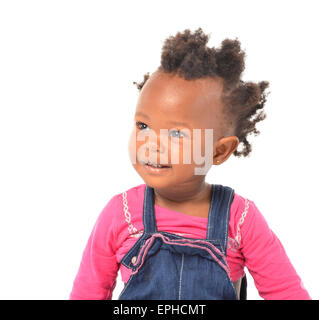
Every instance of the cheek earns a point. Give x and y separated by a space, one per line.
181 152
178 152
132 147
204 146
138 150
194 152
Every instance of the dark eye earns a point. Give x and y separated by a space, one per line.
141 125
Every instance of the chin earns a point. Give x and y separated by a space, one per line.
156 183
153 180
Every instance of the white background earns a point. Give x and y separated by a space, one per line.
67 104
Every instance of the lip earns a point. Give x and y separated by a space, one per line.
151 169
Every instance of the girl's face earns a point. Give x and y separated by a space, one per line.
168 110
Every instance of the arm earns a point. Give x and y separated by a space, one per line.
96 277
265 257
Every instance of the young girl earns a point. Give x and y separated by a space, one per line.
177 236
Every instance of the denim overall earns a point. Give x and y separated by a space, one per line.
166 266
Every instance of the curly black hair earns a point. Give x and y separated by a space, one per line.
187 55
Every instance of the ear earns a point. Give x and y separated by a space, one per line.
224 149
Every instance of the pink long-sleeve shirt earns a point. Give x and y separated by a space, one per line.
251 244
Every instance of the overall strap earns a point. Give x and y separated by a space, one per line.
218 216
149 220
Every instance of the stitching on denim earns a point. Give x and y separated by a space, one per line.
136 244
180 278
126 285
144 223
169 241
142 253
145 213
205 243
216 241
232 285
210 215
227 219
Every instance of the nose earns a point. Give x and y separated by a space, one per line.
157 143
156 149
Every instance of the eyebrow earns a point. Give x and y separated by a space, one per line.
139 113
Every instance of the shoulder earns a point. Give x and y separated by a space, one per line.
239 206
133 195
126 209
117 205
243 214
115 216
132 211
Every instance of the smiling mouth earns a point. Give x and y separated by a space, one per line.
154 165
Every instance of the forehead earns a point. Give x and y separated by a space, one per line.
170 97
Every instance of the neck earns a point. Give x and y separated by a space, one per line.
183 194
